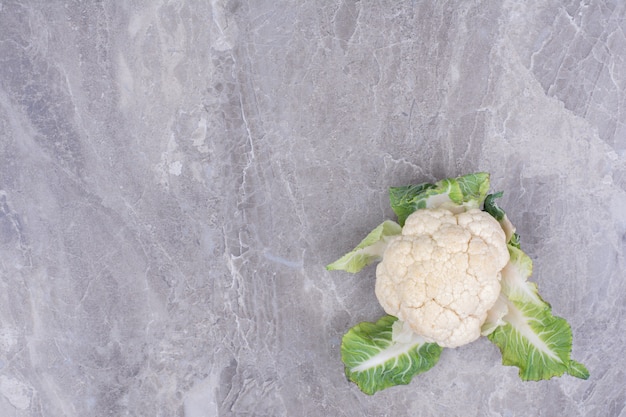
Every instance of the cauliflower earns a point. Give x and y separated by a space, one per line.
449 273
441 275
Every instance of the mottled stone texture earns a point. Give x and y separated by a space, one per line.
175 174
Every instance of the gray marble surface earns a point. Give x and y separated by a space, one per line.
175 174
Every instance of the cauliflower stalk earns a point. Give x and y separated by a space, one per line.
450 271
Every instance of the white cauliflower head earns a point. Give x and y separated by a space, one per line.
442 274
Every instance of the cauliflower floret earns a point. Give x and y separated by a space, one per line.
442 274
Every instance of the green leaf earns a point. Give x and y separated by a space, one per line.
370 249
492 207
465 191
474 187
515 241
405 200
532 338
578 370
497 213
374 361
